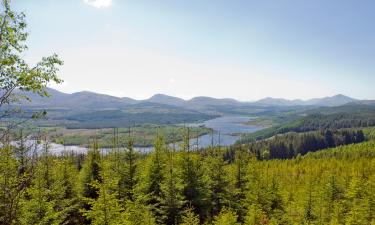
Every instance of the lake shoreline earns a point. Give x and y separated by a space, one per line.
224 131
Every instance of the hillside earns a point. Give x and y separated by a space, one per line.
92 110
346 116
166 100
334 186
91 100
336 100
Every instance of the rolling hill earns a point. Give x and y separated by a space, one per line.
89 109
336 100
91 100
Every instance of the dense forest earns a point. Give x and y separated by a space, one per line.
364 117
101 119
291 145
280 179
211 186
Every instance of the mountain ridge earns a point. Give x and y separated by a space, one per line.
335 100
92 99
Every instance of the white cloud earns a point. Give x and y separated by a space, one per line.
98 3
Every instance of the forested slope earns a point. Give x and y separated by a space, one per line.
218 186
327 118
292 144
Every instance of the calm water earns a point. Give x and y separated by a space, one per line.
225 133
226 130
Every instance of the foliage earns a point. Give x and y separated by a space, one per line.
210 186
141 136
226 217
119 118
292 144
317 121
190 218
245 184
15 73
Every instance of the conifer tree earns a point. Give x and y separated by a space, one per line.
67 200
128 169
240 182
90 172
38 207
218 182
12 185
106 209
309 214
255 216
226 217
331 196
190 218
256 196
51 199
359 206
155 176
172 200
137 213
193 180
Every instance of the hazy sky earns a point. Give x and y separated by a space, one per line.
242 49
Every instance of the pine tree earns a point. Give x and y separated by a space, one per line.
172 200
128 179
137 213
67 201
43 200
12 185
38 206
256 197
217 182
255 216
193 180
331 196
329 140
358 205
90 172
226 217
190 218
106 209
275 201
155 176
240 182
309 215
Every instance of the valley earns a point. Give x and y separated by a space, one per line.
187 112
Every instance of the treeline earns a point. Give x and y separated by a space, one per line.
186 187
142 135
118 118
369 133
314 122
290 145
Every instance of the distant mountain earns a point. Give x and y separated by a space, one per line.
78 100
166 99
194 103
70 109
94 101
213 101
351 108
336 100
364 102
92 110
129 101
279 102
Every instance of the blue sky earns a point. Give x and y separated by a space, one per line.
242 49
